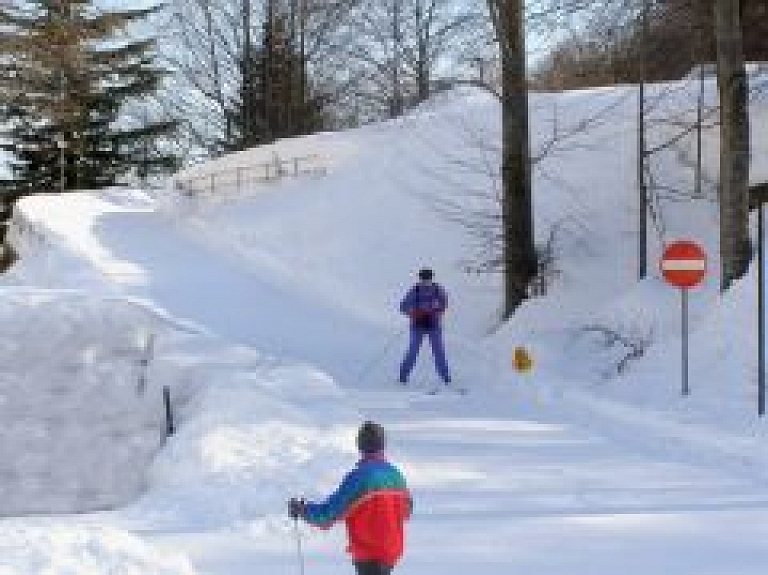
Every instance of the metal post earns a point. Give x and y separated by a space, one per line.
298 544
170 429
760 315
145 360
643 188
699 120
684 292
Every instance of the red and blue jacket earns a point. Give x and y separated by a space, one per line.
374 502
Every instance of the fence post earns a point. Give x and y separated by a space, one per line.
296 167
213 184
147 354
169 427
239 179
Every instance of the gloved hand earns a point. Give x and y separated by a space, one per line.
418 313
296 507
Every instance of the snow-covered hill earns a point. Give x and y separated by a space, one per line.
274 317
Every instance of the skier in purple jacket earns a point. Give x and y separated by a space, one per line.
425 303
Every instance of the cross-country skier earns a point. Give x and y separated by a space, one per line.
373 501
425 304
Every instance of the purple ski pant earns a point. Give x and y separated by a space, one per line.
438 352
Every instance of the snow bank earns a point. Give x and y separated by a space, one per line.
41 548
248 438
78 435
315 271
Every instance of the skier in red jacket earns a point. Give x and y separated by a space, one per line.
373 501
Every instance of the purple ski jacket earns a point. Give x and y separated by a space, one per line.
424 303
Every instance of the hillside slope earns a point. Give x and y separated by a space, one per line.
275 311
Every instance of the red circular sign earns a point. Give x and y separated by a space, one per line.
684 264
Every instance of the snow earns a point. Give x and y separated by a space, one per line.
272 315
53 547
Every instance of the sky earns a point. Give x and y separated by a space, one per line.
275 328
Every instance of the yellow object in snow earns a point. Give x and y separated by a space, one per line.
521 359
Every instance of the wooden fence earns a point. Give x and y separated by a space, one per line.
238 179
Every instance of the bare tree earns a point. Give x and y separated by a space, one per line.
440 30
403 50
215 49
734 143
519 250
716 28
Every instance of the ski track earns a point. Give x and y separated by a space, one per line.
497 475
506 479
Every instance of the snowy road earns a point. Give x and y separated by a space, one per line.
500 479
504 482
498 483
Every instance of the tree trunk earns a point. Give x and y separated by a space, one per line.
422 63
519 251
271 110
300 122
219 94
247 137
396 105
734 143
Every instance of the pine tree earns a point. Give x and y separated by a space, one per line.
68 76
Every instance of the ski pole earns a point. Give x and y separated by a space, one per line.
298 544
379 356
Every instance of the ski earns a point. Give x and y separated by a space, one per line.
447 388
436 389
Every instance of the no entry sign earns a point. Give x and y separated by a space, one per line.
684 264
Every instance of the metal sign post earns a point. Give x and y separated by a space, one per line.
684 265
760 315
684 292
758 195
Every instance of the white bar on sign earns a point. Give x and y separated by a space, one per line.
684 265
